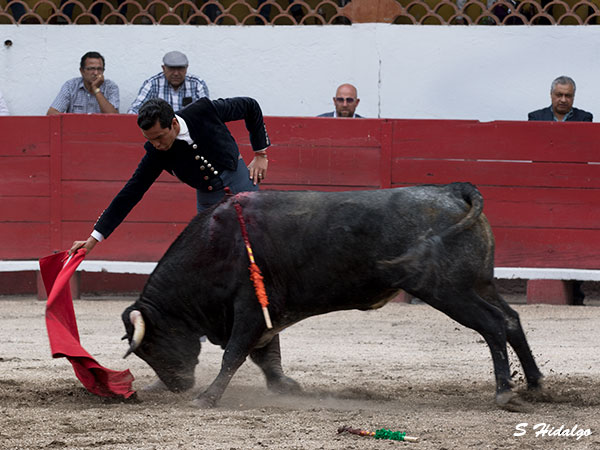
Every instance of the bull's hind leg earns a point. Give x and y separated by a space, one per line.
268 358
470 310
515 336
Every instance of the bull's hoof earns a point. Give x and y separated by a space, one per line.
284 385
510 401
540 396
156 386
535 385
204 402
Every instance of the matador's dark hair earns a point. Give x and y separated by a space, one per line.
153 110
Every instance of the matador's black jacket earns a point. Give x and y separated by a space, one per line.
199 164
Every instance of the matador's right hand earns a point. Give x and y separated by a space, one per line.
88 245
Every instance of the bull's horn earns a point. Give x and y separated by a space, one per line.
139 328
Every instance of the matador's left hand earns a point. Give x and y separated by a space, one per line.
258 167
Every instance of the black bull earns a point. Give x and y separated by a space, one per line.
320 252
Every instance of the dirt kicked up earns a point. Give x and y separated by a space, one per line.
403 367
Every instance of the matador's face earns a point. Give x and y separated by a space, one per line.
162 138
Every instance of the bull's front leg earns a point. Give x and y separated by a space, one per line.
232 360
244 336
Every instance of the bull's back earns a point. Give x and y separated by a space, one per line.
328 246
320 251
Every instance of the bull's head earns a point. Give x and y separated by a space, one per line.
172 353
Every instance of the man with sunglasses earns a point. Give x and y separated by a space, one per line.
345 101
90 93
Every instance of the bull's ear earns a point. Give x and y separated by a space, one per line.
124 337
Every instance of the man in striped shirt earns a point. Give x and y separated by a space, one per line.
173 85
90 93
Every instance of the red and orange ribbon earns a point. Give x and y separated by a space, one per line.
255 274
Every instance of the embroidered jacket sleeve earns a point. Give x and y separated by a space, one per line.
248 109
146 173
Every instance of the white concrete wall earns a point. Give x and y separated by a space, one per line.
438 72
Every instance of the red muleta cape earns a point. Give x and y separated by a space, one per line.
64 336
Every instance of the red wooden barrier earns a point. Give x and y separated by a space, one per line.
540 180
541 192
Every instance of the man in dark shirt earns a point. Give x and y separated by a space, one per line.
194 145
562 95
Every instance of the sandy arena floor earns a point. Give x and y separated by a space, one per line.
403 367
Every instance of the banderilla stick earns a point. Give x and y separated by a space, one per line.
380 434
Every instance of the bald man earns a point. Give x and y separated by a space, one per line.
345 101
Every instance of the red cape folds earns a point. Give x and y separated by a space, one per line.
62 330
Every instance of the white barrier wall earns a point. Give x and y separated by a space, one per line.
438 72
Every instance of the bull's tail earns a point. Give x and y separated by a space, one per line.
420 265
472 197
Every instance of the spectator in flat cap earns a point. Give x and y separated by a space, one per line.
173 84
